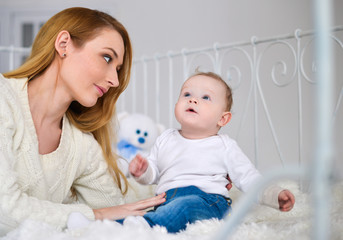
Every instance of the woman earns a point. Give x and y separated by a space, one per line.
55 113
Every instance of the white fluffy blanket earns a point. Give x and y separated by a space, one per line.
261 223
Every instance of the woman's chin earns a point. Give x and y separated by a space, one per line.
88 102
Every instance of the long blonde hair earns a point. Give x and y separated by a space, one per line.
83 24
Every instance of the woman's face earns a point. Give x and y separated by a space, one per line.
88 72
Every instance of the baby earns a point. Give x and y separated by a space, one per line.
191 164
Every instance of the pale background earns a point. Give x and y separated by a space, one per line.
162 25
171 25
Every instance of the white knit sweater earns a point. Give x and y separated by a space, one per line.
35 186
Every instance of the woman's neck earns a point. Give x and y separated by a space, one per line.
48 103
46 100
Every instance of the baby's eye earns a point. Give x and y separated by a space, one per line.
186 94
206 97
107 58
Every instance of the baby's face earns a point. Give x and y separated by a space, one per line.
201 104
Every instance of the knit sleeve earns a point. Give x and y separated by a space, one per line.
15 204
95 185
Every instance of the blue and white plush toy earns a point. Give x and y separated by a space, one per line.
137 133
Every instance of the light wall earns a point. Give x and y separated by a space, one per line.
164 25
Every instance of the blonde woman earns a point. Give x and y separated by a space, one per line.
55 111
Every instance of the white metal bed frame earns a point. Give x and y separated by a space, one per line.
323 36
324 135
320 172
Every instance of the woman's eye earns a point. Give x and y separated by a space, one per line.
107 59
206 97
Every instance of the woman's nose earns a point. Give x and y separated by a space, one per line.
113 79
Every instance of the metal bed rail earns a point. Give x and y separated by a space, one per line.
321 171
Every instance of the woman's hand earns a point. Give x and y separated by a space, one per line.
286 201
129 209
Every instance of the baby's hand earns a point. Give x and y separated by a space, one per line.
138 166
229 185
286 201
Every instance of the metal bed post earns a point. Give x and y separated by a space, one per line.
322 168
324 133
247 202
145 85
157 89
171 88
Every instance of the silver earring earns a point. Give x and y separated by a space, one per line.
64 55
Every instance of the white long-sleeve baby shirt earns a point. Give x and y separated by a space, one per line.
176 162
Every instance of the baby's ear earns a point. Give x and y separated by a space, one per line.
226 117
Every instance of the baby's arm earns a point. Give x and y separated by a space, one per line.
138 166
244 175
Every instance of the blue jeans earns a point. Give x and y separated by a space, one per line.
187 205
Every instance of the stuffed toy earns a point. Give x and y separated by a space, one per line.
137 133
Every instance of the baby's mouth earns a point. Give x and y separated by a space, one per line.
191 110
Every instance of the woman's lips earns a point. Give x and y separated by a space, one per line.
101 90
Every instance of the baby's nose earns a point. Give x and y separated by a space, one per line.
193 101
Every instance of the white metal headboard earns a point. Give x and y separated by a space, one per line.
273 82
270 77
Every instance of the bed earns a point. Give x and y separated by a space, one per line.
274 105
260 223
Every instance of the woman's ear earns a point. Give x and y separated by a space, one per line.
226 117
62 41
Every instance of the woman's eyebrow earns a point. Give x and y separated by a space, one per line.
112 50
